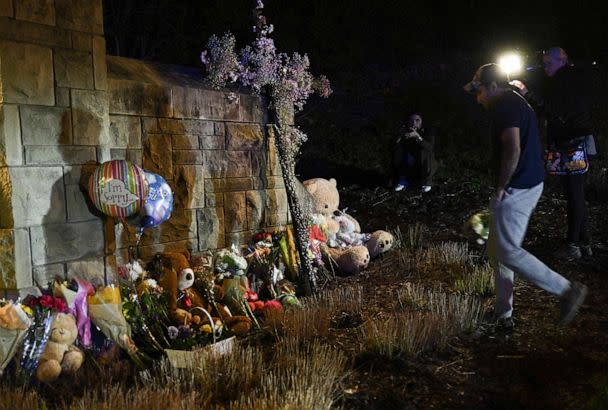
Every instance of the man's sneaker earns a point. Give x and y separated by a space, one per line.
571 301
399 187
586 250
426 188
569 252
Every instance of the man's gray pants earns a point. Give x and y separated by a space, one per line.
508 224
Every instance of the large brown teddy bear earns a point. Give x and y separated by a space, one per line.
353 259
60 354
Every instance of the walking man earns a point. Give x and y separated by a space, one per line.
519 184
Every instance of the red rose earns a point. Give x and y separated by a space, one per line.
46 301
60 305
187 302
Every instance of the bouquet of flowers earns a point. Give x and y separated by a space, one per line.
480 224
14 323
105 309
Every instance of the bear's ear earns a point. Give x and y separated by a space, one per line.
186 253
311 187
333 182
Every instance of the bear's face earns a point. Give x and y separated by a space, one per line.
325 196
63 329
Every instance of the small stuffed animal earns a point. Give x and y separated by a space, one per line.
350 260
347 236
380 242
60 354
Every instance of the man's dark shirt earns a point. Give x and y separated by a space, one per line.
511 110
565 103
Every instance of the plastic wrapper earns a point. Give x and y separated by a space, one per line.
14 324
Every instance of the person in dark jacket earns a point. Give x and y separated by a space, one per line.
564 104
413 156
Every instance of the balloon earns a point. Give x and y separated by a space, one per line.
118 188
158 204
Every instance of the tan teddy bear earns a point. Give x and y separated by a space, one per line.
350 259
60 354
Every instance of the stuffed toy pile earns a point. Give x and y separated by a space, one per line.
349 248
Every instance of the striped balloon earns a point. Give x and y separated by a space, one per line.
118 188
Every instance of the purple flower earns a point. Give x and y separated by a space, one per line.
184 332
173 332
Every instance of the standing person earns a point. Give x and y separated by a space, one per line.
413 157
520 175
565 104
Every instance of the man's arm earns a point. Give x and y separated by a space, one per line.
508 160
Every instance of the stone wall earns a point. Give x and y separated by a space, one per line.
66 106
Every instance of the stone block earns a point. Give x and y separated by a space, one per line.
80 15
277 199
90 117
228 184
238 164
28 32
211 228
150 125
135 98
133 155
36 11
252 109
37 196
193 127
62 97
90 269
212 141
26 74
256 204
244 136
214 200
11 149
66 242
125 131
182 156
46 125
219 128
235 211
185 142
158 156
82 41
270 181
203 104
215 163
45 275
58 155
15 261
6 8
6 198
188 187
73 69
77 204
100 68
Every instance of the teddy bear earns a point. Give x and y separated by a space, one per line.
176 277
60 354
342 229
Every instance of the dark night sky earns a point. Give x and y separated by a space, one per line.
336 33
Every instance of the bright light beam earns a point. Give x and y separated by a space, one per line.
510 64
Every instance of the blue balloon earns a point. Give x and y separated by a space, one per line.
158 204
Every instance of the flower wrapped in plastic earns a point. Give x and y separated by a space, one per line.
105 310
14 323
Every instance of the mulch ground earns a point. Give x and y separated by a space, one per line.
538 365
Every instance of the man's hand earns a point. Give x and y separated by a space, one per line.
500 194
521 87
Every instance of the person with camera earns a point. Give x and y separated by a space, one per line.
413 157
516 160
565 104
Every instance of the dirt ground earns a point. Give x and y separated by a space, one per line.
538 365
